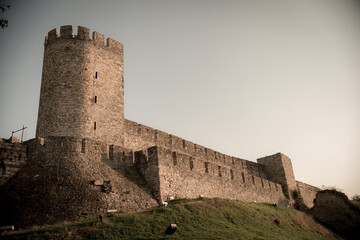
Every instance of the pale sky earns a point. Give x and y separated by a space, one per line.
245 78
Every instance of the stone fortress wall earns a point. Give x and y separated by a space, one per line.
82 100
307 192
169 174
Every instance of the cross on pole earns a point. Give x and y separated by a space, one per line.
22 132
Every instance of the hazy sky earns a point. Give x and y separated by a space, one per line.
246 78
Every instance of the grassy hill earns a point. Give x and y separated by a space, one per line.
195 219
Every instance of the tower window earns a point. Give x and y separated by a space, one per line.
174 158
96 74
94 125
95 99
83 145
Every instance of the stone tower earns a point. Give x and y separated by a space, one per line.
279 169
82 87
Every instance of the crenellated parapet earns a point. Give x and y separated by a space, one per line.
139 137
83 33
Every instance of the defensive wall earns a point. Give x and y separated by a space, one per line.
307 192
166 172
172 168
276 168
178 175
12 158
141 137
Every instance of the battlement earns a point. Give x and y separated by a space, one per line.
140 137
83 33
181 175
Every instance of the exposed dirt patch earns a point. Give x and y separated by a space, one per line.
308 222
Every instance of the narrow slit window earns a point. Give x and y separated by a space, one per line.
191 163
206 167
253 179
111 152
96 74
83 146
262 183
95 99
174 158
219 168
243 177
232 174
94 125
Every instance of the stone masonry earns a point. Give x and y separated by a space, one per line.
81 123
82 87
12 158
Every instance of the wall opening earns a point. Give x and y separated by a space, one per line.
95 99
174 158
243 177
191 163
231 174
262 183
83 145
219 169
96 74
183 143
123 156
253 179
94 125
206 167
137 156
111 152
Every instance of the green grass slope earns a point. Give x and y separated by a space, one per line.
195 219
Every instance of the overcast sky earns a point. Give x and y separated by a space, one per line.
246 78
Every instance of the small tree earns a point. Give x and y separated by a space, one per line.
3 21
324 187
356 197
295 195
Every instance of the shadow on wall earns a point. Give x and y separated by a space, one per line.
336 211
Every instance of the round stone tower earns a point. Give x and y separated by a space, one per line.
82 87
